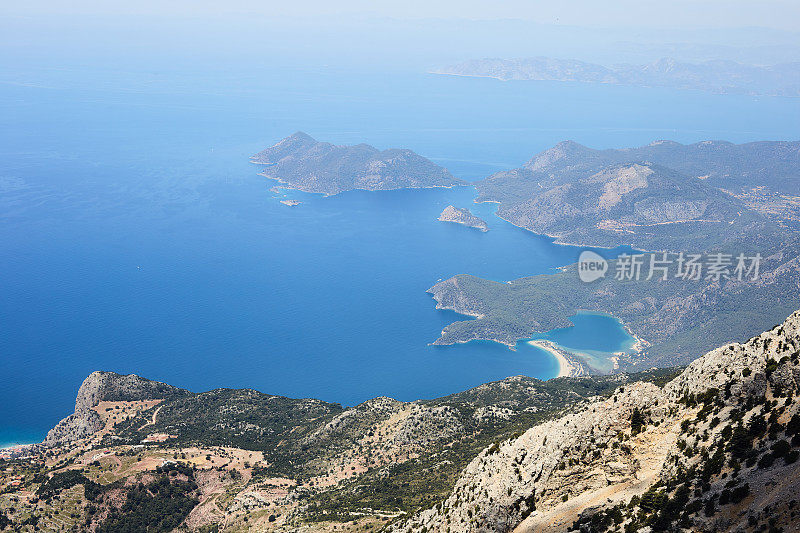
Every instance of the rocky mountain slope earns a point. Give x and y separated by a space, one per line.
301 162
101 387
644 205
729 166
235 459
715 449
715 76
662 196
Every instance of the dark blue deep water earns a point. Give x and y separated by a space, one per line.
136 237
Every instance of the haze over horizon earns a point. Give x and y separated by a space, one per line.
416 35
774 14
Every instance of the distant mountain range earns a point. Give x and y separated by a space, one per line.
300 162
717 76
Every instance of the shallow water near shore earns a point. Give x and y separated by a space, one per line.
137 238
594 337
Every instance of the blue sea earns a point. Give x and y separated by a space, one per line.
136 236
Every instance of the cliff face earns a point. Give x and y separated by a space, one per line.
302 163
79 425
105 386
719 437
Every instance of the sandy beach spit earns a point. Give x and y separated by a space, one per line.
567 367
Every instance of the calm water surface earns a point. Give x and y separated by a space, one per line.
136 237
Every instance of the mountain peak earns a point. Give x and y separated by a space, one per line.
299 136
561 152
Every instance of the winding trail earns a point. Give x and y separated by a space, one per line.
152 421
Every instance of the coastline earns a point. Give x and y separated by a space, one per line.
12 440
20 451
556 238
568 366
289 186
15 444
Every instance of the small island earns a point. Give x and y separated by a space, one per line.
301 162
290 203
463 217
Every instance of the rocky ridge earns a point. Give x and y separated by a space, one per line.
239 459
105 386
716 438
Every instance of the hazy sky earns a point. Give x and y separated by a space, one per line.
414 34
779 14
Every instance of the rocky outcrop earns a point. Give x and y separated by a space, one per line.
508 480
300 162
464 217
678 444
79 425
105 386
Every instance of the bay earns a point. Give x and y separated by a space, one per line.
137 237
